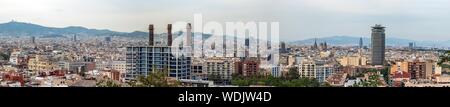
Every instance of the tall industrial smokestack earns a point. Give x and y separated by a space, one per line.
235 47
169 35
151 36
189 35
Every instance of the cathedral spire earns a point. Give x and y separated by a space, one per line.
315 43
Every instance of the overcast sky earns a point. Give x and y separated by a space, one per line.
299 19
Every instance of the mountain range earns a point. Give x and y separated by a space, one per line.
354 41
14 28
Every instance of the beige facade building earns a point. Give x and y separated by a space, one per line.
223 67
41 63
417 69
353 61
315 69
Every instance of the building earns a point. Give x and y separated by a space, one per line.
443 79
196 83
353 61
33 39
142 61
247 67
108 39
76 67
399 77
74 38
315 47
337 80
291 60
399 67
378 45
17 57
283 47
356 70
189 36
432 70
197 71
84 83
361 44
284 60
41 63
315 69
425 83
14 77
323 46
325 54
352 82
222 67
113 74
113 65
417 69
411 45
275 71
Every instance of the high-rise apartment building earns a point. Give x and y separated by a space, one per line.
315 69
197 71
417 69
143 60
221 67
247 67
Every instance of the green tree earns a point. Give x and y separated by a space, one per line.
325 84
156 78
385 72
444 58
216 77
4 56
277 82
293 73
373 70
107 83
371 82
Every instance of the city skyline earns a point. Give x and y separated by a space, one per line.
222 51
300 19
303 41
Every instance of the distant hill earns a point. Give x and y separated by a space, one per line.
354 41
14 28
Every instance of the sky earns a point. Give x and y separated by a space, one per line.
299 19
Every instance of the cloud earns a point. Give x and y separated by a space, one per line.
374 7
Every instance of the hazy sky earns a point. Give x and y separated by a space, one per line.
299 19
